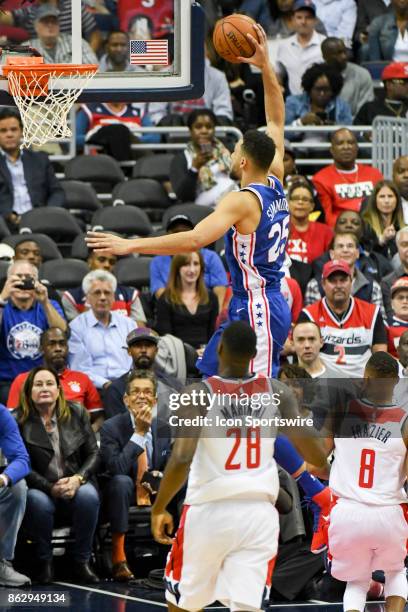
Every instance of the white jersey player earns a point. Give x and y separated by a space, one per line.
227 540
368 529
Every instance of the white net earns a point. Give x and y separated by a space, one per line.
44 108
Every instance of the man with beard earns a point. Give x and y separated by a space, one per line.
256 223
77 386
395 101
351 328
142 346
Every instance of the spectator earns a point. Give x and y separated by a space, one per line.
13 495
142 345
283 23
116 58
398 323
344 184
307 343
367 11
387 34
28 249
400 178
346 248
301 50
77 386
187 309
383 213
401 240
339 18
98 335
393 102
24 314
113 126
132 445
402 351
258 10
351 328
291 291
126 302
307 239
357 83
54 46
289 162
25 18
320 103
64 457
27 177
201 173
215 277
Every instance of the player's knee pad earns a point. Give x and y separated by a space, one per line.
396 584
355 595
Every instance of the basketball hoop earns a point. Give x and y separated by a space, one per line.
44 95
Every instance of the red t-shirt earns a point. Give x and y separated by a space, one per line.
292 293
311 244
339 190
395 329
77 387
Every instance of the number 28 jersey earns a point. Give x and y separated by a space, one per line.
233 461
255 260
369 461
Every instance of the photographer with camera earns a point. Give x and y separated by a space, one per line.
25 312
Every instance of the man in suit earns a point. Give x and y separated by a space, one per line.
131 447
27 179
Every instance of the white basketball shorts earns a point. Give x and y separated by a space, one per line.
223 551
365 538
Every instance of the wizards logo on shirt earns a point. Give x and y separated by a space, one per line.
23 341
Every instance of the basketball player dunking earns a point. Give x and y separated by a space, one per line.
227 539
255 222
368 527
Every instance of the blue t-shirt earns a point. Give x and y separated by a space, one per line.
214 273
20 333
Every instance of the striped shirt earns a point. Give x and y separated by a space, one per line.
62 52
24 18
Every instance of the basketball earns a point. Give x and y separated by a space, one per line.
230 37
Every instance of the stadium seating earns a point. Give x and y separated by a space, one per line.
4 230
49 249
101 170
154 167
80 199
134 271
127 220
64 273
57 223
145 193
194 211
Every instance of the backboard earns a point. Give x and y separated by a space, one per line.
160 56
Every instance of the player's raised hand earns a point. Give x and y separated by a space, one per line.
261 56
162 526
108 244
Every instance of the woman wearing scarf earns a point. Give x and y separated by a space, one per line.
200 173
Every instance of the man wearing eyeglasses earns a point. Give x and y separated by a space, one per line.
395 102
134 454
126 301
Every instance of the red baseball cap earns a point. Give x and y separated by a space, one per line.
396 70
400 283
336 265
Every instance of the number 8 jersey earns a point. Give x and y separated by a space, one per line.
255 260
369 455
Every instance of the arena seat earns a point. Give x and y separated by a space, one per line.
154 167
194 211
80 199
146 193
49 249
64 273
4 230
101 170
134 271
55 222
4 266
127 220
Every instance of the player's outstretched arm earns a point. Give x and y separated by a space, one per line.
231 210
273 98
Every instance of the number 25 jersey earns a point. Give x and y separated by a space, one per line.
255 260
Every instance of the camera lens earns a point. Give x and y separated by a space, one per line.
248 95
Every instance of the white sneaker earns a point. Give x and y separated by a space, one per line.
9 576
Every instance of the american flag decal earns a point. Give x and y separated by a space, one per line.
149 52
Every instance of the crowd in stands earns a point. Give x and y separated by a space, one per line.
80 355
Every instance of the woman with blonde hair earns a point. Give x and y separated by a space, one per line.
64 457
384 215
187 309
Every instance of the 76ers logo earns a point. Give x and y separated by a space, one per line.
23 341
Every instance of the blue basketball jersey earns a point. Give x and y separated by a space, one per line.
255 260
